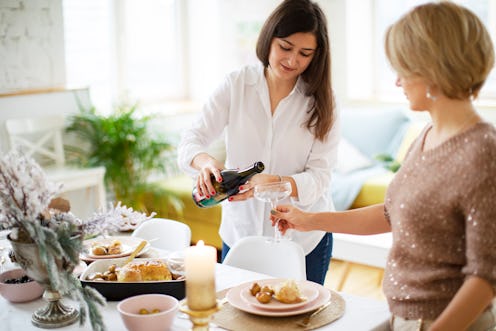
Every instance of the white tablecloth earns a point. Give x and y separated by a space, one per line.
361 313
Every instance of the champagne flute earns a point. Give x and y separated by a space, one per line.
273 192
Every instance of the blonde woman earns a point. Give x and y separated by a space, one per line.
441 272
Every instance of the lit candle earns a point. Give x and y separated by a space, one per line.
200 276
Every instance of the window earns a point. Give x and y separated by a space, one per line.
369 76
125 49
158 51
150 50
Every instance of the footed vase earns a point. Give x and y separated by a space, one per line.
55 314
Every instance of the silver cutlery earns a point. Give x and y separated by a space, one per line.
307 319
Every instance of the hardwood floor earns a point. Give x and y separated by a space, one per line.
361 280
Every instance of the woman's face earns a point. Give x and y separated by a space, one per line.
415 90
290 56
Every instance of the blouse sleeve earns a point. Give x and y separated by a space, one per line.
480 220
315 180
207 126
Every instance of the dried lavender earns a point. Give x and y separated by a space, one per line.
113 220
25 195
25 191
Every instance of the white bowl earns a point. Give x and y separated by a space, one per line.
161 321
20 292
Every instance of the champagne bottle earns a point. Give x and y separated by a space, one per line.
231 180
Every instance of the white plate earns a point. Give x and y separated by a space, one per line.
234 298
128 243
80 268
309 290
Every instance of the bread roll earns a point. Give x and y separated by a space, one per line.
143 271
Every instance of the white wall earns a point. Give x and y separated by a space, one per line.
31 45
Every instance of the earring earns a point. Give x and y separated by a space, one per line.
429 95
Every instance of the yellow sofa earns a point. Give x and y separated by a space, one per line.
374 189
204 222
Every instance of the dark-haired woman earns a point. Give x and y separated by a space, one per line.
280 112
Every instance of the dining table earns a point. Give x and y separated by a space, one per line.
360 313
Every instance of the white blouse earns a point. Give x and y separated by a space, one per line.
240 107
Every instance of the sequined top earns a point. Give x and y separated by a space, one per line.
442 209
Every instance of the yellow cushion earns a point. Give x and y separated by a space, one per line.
373 191
204 222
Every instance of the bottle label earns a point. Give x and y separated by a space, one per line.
232 179
199 197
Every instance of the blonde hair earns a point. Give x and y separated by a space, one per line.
444 43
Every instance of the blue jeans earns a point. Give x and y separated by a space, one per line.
317 261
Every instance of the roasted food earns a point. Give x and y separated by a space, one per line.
255 288
263 297
285 292
267 289
114 248
151 270
288 292
109 275
142 271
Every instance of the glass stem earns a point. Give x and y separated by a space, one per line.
277 233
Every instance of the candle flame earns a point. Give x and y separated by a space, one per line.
200 243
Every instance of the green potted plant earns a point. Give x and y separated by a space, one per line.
389 162
130 152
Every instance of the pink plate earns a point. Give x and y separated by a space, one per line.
309 290
234 298
128 245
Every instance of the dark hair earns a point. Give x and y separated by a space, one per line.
293 16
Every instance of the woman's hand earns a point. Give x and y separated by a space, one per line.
290 217
246 190
203 182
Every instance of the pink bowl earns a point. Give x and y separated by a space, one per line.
162 321
21 292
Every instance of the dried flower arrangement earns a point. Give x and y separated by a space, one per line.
28 207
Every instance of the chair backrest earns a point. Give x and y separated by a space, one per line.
284 259
38 137
165 234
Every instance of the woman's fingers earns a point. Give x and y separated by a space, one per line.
241 196
217 175
279 213
283 226
204 183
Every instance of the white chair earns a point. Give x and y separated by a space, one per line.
164 234
284 259
42 139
